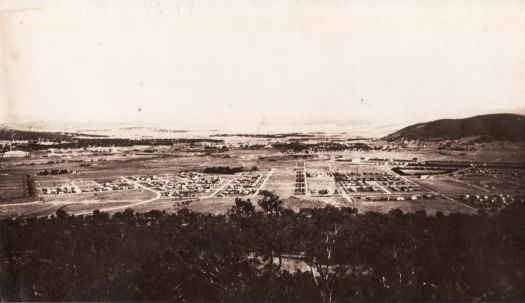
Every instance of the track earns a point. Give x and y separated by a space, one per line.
270 173
157 196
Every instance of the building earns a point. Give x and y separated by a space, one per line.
15 154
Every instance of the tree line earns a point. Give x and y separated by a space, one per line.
15 134
228 170
296 146
34 145
46 172
264 252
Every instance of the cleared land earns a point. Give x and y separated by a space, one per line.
16 188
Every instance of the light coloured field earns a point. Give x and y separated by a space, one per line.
215 205
297 204
495 183
491 152
28 210
86 184
430 206
62 182
422 171
282 182
445 185
122 195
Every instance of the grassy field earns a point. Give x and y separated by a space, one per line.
430 206
445 185
110 196
12 186
296 204
282 182
16 188
27 210
497 182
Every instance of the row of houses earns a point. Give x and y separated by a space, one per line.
242 186
59 190
186 184
397 198
500 200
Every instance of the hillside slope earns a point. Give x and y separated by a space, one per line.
503 127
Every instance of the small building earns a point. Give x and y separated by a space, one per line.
16 154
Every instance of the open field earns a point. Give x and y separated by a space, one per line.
297 204
446 185
495 180
16 188
12 187
282 181
126 196
28 210
430 206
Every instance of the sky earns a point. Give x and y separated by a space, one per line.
257 63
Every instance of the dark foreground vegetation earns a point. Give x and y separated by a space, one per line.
246 255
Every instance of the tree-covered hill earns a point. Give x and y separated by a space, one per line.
504 127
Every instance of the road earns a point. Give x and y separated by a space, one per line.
340 187
264 182
157 196
381 187
21 204
220 189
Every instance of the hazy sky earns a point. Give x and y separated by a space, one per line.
233 63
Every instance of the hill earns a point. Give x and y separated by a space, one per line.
501 127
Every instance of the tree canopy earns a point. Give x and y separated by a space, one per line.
328 254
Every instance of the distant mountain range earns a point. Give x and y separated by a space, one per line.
501 127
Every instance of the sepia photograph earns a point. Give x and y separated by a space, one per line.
262 151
